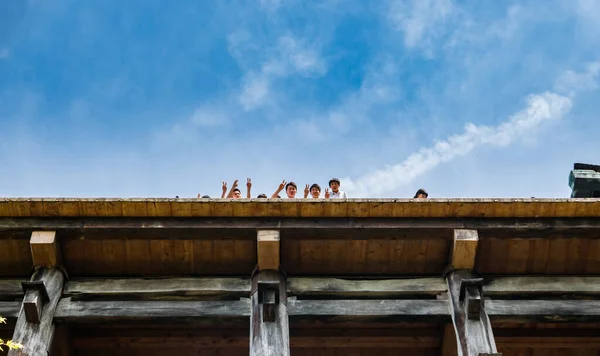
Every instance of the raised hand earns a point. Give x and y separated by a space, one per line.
282 185
248 183
235 184
306 191
224 188
327 193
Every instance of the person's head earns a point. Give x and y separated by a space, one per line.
315 190
290 190
421 194
262 196
334 184
237 194
205 197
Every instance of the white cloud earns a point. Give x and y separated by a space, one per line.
540 109
4 53
419 20
570 82
290 56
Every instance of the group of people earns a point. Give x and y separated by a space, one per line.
291 190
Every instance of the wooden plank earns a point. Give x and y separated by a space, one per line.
268 249
158 311
384 311
44 249
37 338
10 289
346 288
449 346
507 286
10 310
337 228
464 249
554 342
552 311
61 346
157 288
269 325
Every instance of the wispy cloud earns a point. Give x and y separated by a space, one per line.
420 20
540 109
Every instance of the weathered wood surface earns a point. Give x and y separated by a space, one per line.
473 331
210 227
384 311
61 346
269 324
551 311
37 338
348 288
10 310
515 286
10 289
157 288
160 311
306 208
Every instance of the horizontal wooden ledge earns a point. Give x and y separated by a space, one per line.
300 311
309 287
301 207
336 228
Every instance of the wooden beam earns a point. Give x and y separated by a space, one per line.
62 341
554 342
70 311
464 248
368 311
549 311
157 288
348 289
11 289
44 249
10 310
210 228
268 249
32 306
269 325
529 286
37 338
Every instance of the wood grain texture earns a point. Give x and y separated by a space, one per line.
268 249
44 249
464 249
360 208
37 338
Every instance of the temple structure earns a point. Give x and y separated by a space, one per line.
468 277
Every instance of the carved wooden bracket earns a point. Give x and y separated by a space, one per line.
36 296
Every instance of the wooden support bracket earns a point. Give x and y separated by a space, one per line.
44 249
268 249
464 249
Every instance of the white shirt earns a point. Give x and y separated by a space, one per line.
339 195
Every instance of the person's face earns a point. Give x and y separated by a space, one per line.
421 196
291 191
315 192
237 194
335 186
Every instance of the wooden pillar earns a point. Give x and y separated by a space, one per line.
474 336
269 326
40 301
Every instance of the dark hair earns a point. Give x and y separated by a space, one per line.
205 197
421 191
279 196
315 186
334 180
292 184
262 196
237 190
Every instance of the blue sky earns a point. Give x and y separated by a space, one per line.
149 98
